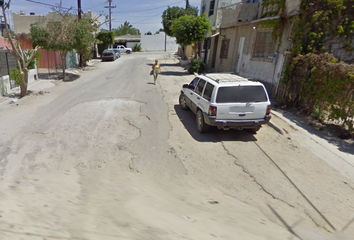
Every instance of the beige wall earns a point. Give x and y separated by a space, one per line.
22 23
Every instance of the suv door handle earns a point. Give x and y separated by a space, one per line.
198 98
191 93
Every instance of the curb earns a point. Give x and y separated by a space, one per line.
274 126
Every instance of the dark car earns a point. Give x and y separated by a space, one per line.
117 52
108 55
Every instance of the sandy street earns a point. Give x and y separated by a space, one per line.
112 156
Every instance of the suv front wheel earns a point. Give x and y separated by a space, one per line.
182 102
201 125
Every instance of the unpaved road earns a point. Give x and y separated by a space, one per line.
111 156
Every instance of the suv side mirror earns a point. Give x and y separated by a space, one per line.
186 85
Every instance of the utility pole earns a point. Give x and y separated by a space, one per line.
79 8
81 64
110 13
187 4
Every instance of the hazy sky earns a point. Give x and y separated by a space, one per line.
142 14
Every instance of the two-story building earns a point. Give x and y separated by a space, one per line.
213 10
245 45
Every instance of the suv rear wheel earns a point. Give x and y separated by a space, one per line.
201 125
182 102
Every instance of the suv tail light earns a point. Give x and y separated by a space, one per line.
212 111
268 110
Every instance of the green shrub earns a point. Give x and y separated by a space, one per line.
16 75
137 48
196 65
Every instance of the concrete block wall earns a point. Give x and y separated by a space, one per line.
5 86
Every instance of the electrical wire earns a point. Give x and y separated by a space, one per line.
147 9
50 5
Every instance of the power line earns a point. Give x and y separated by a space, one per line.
46 4
147 9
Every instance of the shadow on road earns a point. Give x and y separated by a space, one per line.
214 135
328 132
170 73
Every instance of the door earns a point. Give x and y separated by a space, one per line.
196 98
189 92
239 53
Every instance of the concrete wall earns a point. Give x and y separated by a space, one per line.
132 44
22 22
157 43
5 86
292 7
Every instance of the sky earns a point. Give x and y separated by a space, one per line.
144 15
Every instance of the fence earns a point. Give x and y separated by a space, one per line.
7 63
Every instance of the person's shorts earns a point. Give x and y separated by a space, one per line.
155 74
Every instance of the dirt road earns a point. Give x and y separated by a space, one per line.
112 156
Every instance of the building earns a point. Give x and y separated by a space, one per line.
213 10
246 46
22 22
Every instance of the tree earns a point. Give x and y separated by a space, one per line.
104 38
84 38
173 13
57 36
125 29
189 29
23 58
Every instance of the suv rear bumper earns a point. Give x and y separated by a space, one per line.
235 124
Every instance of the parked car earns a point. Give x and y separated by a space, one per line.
226 101
108 55
117 52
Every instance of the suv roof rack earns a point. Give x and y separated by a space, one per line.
225 77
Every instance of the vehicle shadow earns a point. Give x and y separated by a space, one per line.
214 135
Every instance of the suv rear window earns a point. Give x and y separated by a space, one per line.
239 94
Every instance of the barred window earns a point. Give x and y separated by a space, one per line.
264 46
224 48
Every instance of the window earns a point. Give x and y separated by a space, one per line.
224 48
264 46
203 8
200 86
241 94
208 91
194 82
211 8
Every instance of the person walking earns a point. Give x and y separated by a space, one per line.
156 68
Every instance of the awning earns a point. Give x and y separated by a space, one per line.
214 35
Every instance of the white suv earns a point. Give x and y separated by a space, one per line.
226 101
